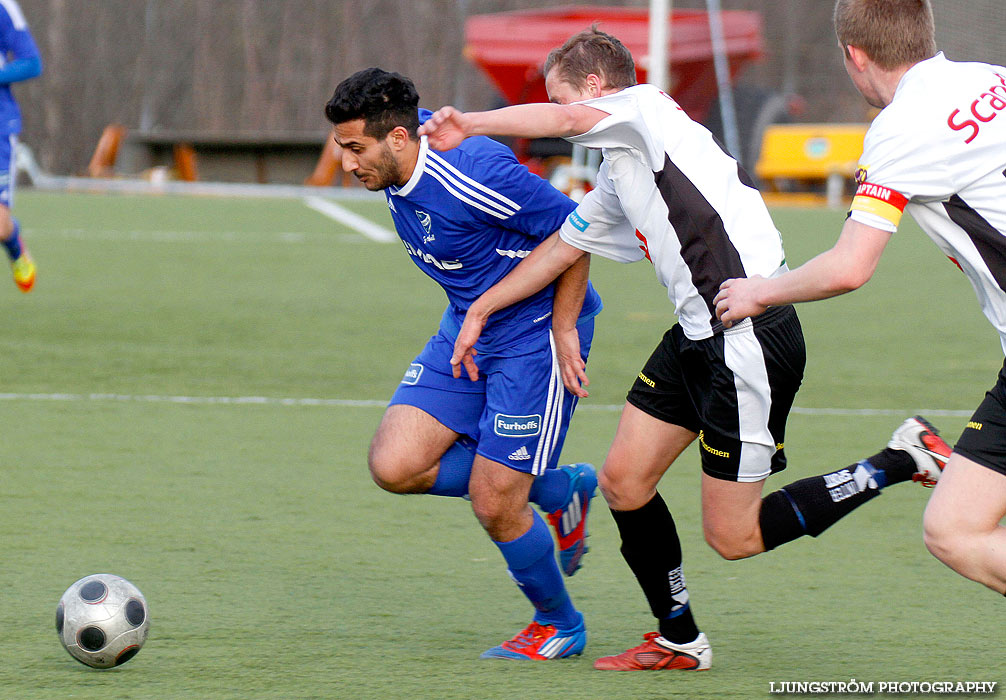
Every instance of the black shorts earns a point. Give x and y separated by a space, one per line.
984 437
734 389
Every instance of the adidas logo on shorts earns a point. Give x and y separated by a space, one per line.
519 455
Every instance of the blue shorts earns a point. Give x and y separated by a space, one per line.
7 144
518 411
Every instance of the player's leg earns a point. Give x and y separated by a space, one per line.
522 430
739 523
963 519
499 500
812 505
658 422
730 512
962 522
754 371
407 450
22 264
528 415
413 450
744 440
422 444
643 448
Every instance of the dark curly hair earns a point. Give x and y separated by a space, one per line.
383 100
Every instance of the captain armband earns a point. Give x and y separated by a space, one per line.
880 201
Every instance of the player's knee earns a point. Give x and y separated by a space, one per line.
490 512
388 480
620 492
731 543
389 473
944 540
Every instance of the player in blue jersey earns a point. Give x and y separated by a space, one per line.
467 216
19 60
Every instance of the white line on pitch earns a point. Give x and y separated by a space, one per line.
371 403
169 236
356 222
154 398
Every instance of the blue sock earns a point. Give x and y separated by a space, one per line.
550 490
531 561
13 244
455 470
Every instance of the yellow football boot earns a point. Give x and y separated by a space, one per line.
24 272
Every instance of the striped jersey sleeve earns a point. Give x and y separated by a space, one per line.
503 192
481 197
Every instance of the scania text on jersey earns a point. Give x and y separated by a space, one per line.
430 260
993 99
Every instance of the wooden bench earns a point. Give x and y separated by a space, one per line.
226 156
810 154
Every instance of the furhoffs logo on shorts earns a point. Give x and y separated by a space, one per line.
517 426
412 374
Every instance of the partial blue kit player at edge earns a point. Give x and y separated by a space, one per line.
467 217
19 60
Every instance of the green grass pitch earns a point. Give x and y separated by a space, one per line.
274 568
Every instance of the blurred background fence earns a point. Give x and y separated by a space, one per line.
268 66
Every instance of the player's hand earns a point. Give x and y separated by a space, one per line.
464 346
736 300
446 129
571 364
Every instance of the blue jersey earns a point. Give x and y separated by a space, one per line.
467 217
16 44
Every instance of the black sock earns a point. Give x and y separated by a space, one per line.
811 506
652 550
897 466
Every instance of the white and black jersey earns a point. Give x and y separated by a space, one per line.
669 193
938 151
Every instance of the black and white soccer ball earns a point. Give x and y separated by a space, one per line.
102 620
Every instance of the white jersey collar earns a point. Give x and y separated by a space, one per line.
917 68
416 173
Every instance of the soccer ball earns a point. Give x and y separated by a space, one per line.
102 620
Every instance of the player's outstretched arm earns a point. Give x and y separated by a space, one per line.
847 266
448 127
545 263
